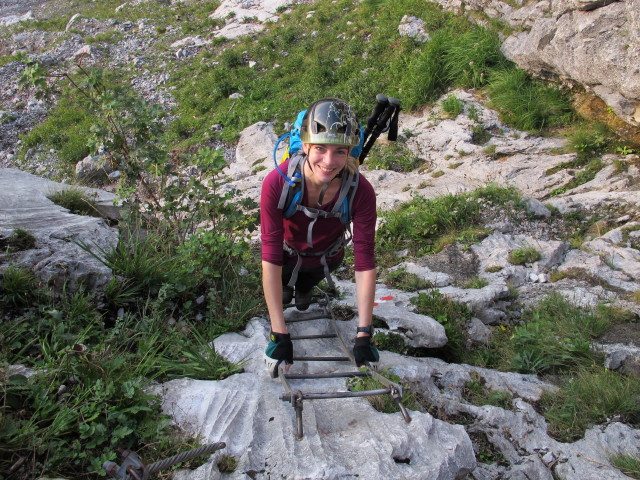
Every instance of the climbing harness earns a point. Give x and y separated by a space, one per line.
296 396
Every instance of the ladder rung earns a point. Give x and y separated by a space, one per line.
322 359
307 317
311 337
302 376
321 395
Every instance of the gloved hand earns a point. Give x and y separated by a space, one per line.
279 349
364 352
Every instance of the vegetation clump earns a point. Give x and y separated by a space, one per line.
521 256
476 392
424 226
19 240
453 315
76 201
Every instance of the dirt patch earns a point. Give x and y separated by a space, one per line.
460 265
625 333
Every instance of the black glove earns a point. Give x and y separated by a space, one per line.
279 349
365 353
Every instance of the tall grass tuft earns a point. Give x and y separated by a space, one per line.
556 337
590 398
417 224
525 103
472 56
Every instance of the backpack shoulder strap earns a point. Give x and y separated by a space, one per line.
347 192
292 195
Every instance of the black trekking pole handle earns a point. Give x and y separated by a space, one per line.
381 103
385 118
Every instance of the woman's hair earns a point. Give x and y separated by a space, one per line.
352 165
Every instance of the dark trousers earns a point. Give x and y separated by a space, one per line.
307 278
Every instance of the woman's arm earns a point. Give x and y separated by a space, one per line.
365 294
272 287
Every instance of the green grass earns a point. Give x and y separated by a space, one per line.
524 255
369 58
476 392
629 465
425 226
383 403
403 280
76 201
452 106
556 336
590 398
453 315
527 104
19 240
18 287
66 130
394 157
476 282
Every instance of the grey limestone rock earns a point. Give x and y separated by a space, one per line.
56 259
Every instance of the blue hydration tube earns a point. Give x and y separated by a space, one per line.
275 160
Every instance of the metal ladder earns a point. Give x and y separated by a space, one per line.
297 397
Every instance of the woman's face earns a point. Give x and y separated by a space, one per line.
325 161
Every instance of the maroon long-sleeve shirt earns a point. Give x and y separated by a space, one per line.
275 228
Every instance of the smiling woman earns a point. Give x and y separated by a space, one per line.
304 241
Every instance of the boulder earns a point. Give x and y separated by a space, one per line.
57 258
